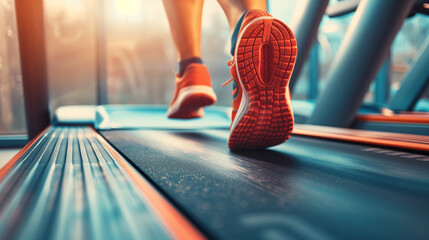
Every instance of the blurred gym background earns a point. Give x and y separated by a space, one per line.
140 58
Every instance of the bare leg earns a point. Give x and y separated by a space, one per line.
184 17
233 9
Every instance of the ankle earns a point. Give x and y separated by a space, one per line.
235 32
183 64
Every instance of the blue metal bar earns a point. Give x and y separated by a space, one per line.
361 54
415 82
305 24
382 84
314 71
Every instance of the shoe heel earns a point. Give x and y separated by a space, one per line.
265 58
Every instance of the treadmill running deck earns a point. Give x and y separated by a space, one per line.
306 188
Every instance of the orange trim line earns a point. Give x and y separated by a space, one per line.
401 118
176 223
366 140
13 160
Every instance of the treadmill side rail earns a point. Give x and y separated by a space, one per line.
383 139
69 182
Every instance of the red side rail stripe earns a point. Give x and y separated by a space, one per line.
13 160
365 140
397 118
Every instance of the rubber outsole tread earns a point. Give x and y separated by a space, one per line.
265 68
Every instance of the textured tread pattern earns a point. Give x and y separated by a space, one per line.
266 56
68 186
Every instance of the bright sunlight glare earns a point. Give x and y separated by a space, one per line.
127 7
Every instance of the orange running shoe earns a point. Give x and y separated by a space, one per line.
263 62
193 92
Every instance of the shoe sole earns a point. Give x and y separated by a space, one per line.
265 57
190 102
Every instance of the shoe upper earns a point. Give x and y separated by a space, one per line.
195 74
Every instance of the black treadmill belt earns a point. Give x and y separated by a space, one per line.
306 188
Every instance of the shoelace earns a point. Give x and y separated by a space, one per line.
230 63
227 82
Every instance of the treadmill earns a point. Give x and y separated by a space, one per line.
127 172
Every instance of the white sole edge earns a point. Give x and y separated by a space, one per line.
188 91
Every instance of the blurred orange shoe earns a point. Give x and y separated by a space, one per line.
193 92
263 62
